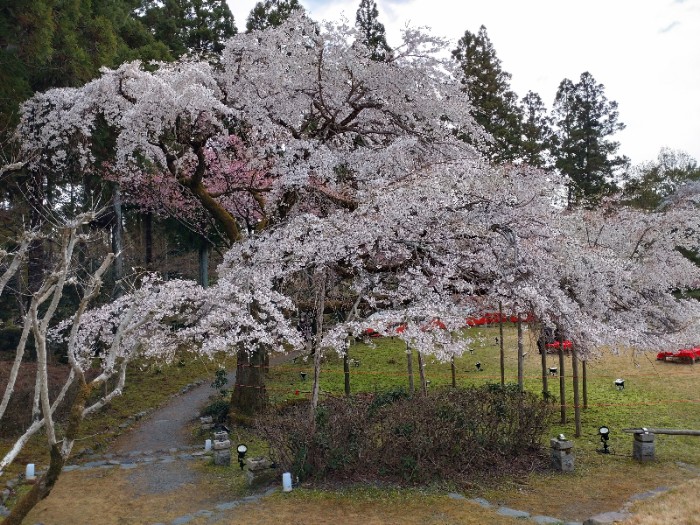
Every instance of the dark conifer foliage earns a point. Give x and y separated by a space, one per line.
190 26
373 32
536 131
271 13
488 86
585 119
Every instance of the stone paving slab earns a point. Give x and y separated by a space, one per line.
544 520
607 518
481 501
512 513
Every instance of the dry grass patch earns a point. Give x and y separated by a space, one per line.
114 497
358 508
681 505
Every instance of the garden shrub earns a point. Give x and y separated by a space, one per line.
450 434
217 409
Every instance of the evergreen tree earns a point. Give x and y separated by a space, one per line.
536 131
271 13
649 184
373 32
63 43
584 120
190 26
488 86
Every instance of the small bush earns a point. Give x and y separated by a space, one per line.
451 434
218 410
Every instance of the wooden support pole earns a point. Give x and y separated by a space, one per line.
577 405
421 372
346 371
521 357
667 431
562 383
543 356
500 339
585 385
409 357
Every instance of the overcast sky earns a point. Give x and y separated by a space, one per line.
645 52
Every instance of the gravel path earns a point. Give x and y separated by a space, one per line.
167 427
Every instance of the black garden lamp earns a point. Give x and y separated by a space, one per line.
241 449
478 366
620 383
604 436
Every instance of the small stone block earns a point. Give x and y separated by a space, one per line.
561 445
207 426
643 451
220 436
221 445
259 463
222 457
646 437
260 477
563 460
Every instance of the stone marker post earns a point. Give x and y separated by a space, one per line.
562 455
260 470
643 447
222 449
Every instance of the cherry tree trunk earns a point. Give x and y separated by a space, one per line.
249 395
204 264
577 404
40 490
59 453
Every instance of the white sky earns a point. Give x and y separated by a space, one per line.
645 52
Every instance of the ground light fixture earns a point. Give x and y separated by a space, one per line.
553 370
241 449
478 366
604 436
302 375
620 383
